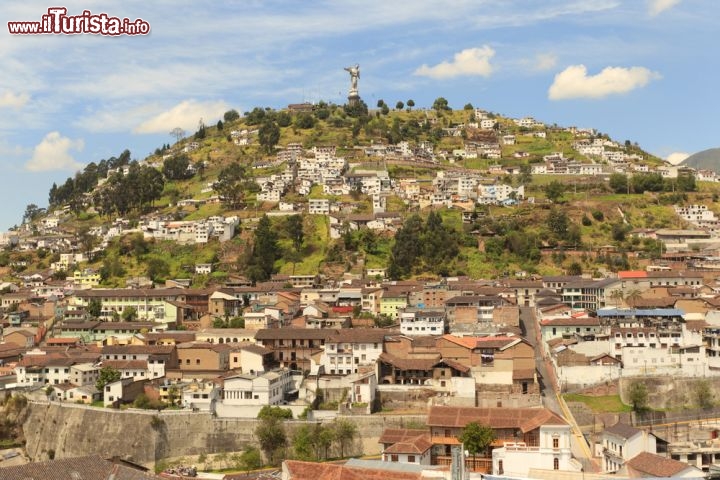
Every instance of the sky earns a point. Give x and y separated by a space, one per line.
638 70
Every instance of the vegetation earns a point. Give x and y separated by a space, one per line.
477 438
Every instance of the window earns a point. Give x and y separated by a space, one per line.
393 458
501 470
556 442
411 458
556 464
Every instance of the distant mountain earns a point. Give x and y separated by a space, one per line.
705 160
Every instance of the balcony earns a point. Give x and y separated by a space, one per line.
478 464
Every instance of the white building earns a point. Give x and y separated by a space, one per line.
319 206
422 322
269 388
349 349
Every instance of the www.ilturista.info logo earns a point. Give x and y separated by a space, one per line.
58 22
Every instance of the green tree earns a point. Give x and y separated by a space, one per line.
250 460
278 413
231 115
638 396
294 230
477 438
269 135
410 103
129 314
407 248
380 103
468 106
105 376
157 269
345 432
94 308
558 223
271 435
441 105
231 184
554 191
264 252
525 176
303 444
619 183
399 105
220 126
304 121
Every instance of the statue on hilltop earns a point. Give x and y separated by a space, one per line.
354 75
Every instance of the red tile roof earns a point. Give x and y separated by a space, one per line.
649 464
526 419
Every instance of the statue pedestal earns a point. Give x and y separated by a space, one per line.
353 99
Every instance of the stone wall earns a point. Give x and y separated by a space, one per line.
64 430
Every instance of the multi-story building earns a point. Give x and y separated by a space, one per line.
268 388
525 438
415 321
347 349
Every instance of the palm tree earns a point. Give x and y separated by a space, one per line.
617 295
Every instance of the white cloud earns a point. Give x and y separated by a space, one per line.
574 82
545 61
53 153
471 61
13 100
185 115
655 7
676 158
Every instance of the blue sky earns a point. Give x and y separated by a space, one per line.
639 70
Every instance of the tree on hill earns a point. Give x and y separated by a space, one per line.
178 133
279 413
250 460
441 105
231 184
269 135
407 248
554 191
176 167
399 105
638 396
410 103
261 260
231 115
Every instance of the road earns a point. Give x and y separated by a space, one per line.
549 388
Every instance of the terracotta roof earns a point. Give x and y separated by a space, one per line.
126 364
394 435
294 333
416 445
138 349
359 335
623 430
649 464
86 468
481 342
526 419
409 363
298 470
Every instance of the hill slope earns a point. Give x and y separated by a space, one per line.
706 160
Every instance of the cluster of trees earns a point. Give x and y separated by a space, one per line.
135 191
428 246
308 442
232 183
177 167
260 258
651 182
71 192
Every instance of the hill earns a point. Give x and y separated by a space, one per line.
706 160
377 170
